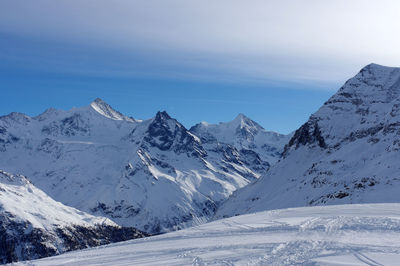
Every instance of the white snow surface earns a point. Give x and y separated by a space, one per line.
367 234
347 152
21 201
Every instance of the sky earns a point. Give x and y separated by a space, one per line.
275 61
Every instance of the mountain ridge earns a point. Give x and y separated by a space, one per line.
154 174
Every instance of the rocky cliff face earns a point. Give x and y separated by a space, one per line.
347 152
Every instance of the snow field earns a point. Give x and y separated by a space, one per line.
359 234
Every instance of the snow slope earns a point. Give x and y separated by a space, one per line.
153 175
19 197
32 225
367 234
347 152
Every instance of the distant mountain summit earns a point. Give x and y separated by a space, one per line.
154 175
347 152
244 134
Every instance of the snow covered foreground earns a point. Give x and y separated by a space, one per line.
367 234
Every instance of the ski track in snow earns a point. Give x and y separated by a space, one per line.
367 234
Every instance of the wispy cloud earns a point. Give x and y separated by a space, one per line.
225 41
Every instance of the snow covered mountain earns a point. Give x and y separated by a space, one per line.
154 175
246 136
32 225
359 234
347 152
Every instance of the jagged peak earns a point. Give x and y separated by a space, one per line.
167 133
163 118
242 121
106 110
162 115
99 103
241 118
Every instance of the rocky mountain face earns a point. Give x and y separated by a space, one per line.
32 225
347 152
154 175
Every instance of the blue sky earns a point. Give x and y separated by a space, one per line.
276 62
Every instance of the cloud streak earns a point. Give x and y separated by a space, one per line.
224 41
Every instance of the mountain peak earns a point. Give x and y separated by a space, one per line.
162 115
242 121
99 103
106 110
242 118
98 100
340 154
378 74
375 66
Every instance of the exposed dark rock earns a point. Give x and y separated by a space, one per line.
308 133
166 133
20 241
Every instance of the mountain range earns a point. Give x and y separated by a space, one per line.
154 174
116 172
